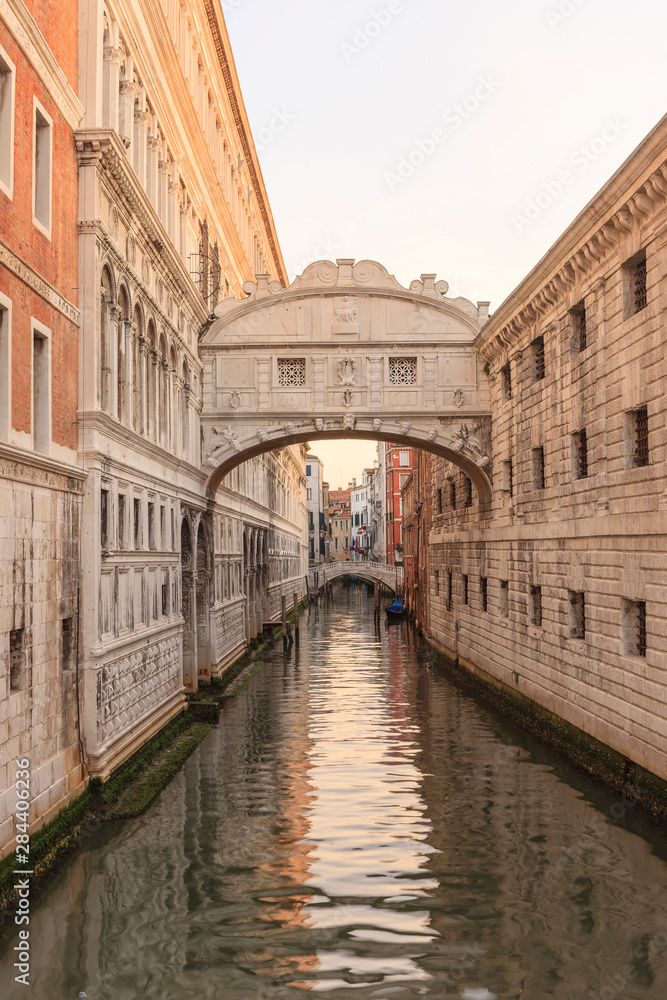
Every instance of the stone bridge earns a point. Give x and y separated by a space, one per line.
345 352
390 576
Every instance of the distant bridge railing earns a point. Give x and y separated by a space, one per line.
390 576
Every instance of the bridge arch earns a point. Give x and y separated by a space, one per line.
345 352
389 576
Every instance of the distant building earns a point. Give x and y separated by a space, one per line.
379 506
339 525
361 516
315 507
398 466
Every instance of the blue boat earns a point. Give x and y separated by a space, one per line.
395 610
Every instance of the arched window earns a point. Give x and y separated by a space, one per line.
106 301
151 381
138 399
163 394
121 363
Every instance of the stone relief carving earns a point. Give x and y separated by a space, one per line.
319 424
347 372
405 428
349 422
235 400
458 398
468 439
433 433
348 397
377 424
263 435
127 688
290 429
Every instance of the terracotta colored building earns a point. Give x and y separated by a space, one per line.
398 466
40 482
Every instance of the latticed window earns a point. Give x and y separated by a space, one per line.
581 454
639 284
539 478
467 494
577 614
402 371
536 606
291 372
641 436
539 367
484 592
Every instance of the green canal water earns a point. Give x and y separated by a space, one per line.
357 827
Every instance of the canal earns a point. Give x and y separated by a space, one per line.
358 826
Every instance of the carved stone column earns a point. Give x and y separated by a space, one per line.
112 59
143 383
127 94
116 316
129 395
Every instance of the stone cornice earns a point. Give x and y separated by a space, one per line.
95 146
609 219
247 144
36 460
38 284
23 27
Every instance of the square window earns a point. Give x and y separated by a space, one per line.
291 372
576 614
402 371
536 606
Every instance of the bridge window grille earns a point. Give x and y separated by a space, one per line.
641 436
580 454
633 628
577 614
539 477
402 371
539 366
536 606
291 372
484 592
639 284
468 492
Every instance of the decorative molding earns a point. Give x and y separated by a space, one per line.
38 284
23 27
35 460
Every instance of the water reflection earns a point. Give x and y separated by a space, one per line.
356 823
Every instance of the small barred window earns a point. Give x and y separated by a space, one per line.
291 372
402 371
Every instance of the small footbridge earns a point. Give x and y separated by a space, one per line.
389 576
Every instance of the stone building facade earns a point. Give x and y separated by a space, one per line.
558 587
173 216
40 478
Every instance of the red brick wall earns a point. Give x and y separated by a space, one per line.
54 259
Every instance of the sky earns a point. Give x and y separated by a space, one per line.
420 133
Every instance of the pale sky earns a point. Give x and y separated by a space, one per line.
419 132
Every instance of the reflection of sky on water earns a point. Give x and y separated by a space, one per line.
355 823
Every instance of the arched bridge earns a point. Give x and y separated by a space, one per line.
345 352
390 576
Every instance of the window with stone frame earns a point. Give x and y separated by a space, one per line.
580 454
467 492
576 614
436 582
68 644
464 588
536 605
538 359
291 372
580 327
539 476
633 628
402 371
635 292
449 600
639 437
508 477
484 592
17 659
503 598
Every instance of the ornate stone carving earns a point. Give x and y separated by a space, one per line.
290 429
347 371
348 397
377 424
230 436
346 315
129 687
405 428
235 400
468 439
458 398
349 422
263 435
319 424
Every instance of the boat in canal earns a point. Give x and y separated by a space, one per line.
396 610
